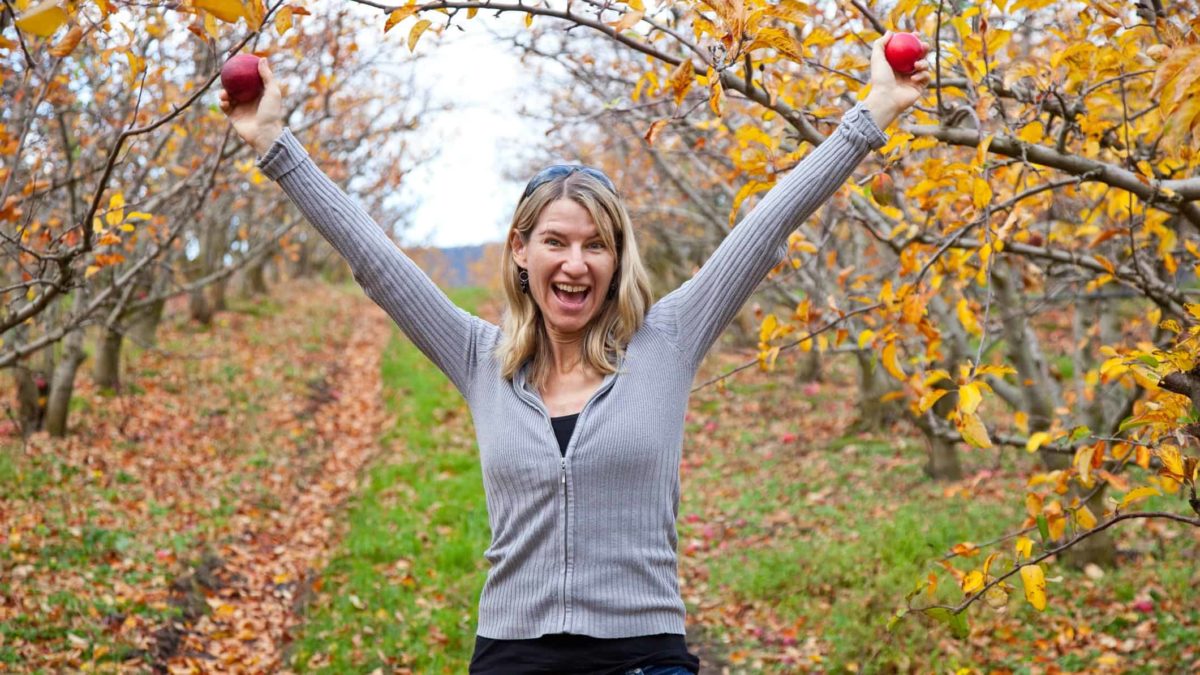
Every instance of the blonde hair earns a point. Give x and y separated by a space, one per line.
523 331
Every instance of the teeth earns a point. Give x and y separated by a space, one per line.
570 289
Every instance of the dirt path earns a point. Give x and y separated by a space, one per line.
260 581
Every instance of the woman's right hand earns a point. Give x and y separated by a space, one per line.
258 122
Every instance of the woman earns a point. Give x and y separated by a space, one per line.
579 399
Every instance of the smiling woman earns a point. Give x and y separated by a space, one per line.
579 398
565 288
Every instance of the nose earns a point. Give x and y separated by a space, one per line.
574 263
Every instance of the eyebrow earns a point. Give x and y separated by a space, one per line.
560 235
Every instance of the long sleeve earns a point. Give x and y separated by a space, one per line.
441 330
694 314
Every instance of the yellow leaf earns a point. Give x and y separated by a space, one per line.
768 327
1172 461
1024 547
228 11
929 398
1034 581
1036 440
973 431
967 318
1085 518
628 20
398 15
43 19
1021 420
1033 132
91 269
1033 504
891 362
778 39
972 582
996 597
1083 464
116 210
969 398
283 20
1137 495
981 193
417 29
865 337
681 80
716 98
751 187
982 150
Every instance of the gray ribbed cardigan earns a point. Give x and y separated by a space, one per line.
584 544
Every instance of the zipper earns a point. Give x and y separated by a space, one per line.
535 401
566 520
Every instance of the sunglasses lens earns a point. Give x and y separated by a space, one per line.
559 170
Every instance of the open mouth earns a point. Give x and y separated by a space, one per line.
571 296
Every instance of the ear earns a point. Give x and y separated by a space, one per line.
518 248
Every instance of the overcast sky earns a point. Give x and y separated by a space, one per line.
463 195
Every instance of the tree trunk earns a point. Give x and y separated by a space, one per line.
31 404
143 328
942 456
809 367
107 371
218 294
62 383
198 306
254 282
942 460
873 414
1098 549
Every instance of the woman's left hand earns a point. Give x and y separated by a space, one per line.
892 93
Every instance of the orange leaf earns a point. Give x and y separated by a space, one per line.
68 43
655 129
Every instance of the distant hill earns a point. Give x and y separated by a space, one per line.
458 266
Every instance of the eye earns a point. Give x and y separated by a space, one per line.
551 241
597 246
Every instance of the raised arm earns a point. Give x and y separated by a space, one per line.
696 312
444 332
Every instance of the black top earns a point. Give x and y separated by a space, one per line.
583 654
563 428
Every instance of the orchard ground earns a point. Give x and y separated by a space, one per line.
298 485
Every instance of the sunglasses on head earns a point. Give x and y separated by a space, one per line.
560 170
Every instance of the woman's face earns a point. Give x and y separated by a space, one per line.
570 268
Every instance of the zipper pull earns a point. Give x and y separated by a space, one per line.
563 475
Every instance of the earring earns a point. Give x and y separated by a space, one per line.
523 279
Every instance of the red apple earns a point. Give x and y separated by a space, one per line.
240 78
903 50
883 189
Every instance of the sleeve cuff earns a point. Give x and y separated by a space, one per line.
285 154
859 122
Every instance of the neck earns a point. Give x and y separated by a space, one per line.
566 351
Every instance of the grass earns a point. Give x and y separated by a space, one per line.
404 585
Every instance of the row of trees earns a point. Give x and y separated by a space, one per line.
123 185
1015 271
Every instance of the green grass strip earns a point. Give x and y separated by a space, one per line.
403 587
